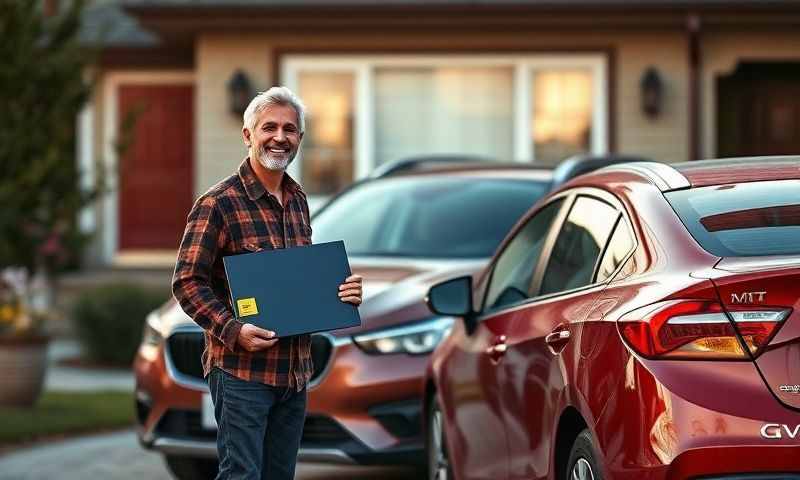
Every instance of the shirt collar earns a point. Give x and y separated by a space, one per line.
253 186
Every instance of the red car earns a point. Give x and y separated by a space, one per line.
642 322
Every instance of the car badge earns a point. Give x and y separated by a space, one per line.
776 431
748 297
790 389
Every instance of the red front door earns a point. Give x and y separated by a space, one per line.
155 170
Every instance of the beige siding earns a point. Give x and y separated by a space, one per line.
666 137
722 53
219 140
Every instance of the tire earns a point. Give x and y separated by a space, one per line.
582 464
188 468
438 459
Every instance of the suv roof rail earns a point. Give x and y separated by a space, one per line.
585 163
413 163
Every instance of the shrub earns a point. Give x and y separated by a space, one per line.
109 320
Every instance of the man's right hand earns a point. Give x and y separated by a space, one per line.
253 338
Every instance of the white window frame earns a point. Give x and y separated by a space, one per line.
363 68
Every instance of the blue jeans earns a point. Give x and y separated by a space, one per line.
260 427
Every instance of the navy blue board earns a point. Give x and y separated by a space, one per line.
292 291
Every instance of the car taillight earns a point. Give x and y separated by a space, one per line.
700 329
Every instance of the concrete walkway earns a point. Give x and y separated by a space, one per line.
118 456
64 378
109 456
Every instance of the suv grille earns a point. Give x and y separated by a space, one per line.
185 351
320 354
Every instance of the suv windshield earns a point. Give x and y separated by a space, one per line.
746 219
427 216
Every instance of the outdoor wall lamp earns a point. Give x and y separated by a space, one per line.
652 92
240 92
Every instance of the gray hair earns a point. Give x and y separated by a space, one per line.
274 96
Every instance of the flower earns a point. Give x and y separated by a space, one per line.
17 317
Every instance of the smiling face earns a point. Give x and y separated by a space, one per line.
275 138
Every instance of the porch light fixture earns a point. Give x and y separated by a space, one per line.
652 92
240 92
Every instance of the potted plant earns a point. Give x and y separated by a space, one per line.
45 80
23 343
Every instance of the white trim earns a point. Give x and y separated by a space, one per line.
600 119
84 150
523 120
112 82
364 133
295 168
363 68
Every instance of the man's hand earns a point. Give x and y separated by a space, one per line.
350 290
253 338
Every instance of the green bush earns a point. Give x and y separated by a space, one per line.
109 320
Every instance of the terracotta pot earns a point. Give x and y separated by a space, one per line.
23 363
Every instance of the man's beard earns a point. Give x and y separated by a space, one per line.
273 161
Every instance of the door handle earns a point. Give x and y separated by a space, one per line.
498 348
557 338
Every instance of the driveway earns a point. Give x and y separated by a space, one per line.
118 456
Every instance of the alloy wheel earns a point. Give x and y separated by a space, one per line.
582 470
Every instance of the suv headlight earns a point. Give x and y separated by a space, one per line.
416 339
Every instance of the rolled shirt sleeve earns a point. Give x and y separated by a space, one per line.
202 240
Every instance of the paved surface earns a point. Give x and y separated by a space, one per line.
118 456
64 378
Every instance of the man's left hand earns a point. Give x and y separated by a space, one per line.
350 290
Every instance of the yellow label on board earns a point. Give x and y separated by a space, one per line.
247 306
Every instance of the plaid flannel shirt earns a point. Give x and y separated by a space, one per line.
235 216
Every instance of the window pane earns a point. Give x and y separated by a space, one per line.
327 162
422 111
618 248
578 245
747 219
511 279
562 114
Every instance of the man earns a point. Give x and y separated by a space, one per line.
257 381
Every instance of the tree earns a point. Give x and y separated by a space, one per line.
43 87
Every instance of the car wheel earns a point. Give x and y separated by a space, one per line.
438 459
186 468
582 464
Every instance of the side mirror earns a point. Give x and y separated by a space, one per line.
453 297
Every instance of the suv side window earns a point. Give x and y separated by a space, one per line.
578 246
513 271
619 246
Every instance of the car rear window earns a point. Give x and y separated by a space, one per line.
745 219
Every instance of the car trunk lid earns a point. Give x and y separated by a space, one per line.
759 290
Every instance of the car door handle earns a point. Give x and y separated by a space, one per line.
557 338
498 349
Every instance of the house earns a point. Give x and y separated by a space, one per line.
523 80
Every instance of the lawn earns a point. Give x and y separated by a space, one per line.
60 414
